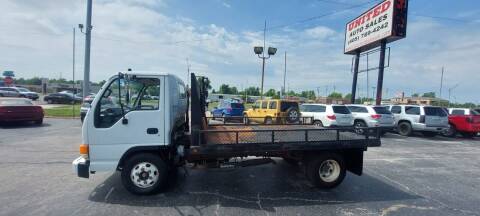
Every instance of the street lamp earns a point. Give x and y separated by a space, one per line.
259 51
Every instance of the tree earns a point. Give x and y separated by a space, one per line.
253 91
271 93
415 95
348 96
335 95
308 94
429 94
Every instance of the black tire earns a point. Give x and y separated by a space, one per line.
318 123
404 129
293 115
291 161
245 119
451 132
429 134
38 122
468 134
360 124
224 120
1 95
268 121
134 162
315 164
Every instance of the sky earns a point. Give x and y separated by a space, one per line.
217 37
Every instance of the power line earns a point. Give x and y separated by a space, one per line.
309 19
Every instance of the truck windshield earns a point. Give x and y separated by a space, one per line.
341 110
381 110
435 111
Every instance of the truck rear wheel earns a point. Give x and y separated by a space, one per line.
144 174
326 170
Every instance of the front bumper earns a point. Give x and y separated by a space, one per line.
81 167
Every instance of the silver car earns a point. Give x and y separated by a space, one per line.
8 92
429 120
372 116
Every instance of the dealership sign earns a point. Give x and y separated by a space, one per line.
385 21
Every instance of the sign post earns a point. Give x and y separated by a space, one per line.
384 23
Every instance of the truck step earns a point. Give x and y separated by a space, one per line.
246 163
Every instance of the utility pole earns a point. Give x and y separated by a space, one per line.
441 84
73 72
284 74
188 71
88 31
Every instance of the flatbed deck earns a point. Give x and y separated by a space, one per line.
265 140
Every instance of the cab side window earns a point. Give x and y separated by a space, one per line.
264 104
124 96
272 105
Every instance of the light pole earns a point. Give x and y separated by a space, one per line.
88 31
259 51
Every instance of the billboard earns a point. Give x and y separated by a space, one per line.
385 21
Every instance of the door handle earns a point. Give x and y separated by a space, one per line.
152 130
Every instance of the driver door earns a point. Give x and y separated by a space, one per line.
110 136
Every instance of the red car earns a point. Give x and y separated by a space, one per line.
20 110
463 121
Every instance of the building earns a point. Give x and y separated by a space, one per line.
418 100
328 100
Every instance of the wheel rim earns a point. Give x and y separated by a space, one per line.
357 129
317 123
329 170
144 175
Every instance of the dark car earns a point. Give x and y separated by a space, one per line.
62 98
227 109
20 110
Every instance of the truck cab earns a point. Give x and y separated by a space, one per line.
123 119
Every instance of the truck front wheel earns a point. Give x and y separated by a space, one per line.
326 171
144 174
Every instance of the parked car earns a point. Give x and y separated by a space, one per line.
8 92
328 115
429 120
62 98
463 121
372 116
228 109
273 111
20 110
24 92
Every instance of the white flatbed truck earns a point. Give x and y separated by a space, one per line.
140 124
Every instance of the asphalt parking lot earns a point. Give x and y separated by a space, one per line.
406 176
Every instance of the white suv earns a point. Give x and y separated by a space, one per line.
328 115
429 120
372 116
